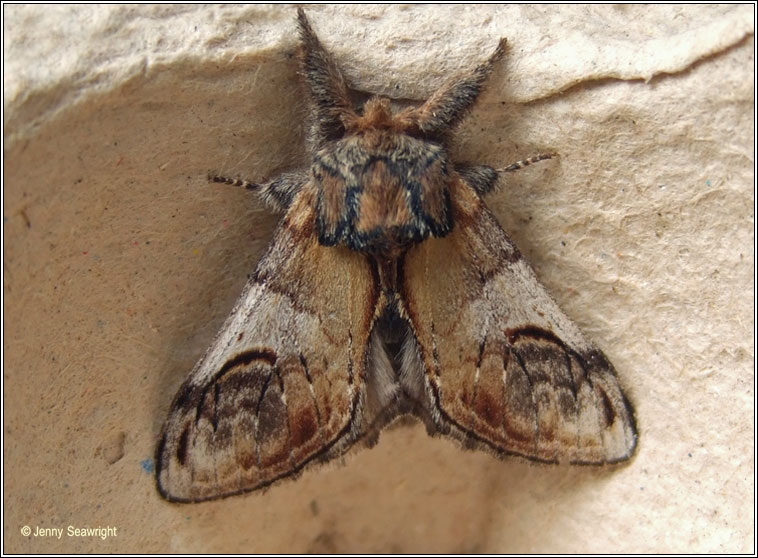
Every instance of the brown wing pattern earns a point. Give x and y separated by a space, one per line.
503 366
283 382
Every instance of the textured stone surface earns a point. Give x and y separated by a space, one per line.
121 262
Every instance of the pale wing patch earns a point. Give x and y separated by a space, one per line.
283 383
503 366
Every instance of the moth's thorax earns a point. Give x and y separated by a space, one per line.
381 191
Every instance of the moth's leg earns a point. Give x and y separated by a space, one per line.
526 162
277 193
483 179
239 182
451 101
480 177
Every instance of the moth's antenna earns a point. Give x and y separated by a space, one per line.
326 84
449 104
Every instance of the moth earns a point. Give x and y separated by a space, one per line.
389 289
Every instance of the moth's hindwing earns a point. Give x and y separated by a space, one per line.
283 383
503 367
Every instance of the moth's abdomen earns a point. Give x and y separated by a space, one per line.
381 193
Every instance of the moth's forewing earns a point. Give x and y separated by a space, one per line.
503 366
283 382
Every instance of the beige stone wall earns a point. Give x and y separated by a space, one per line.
121 262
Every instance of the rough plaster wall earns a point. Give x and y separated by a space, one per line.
121 261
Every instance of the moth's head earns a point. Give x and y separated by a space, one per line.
375 115
333 115
382 175
378 116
